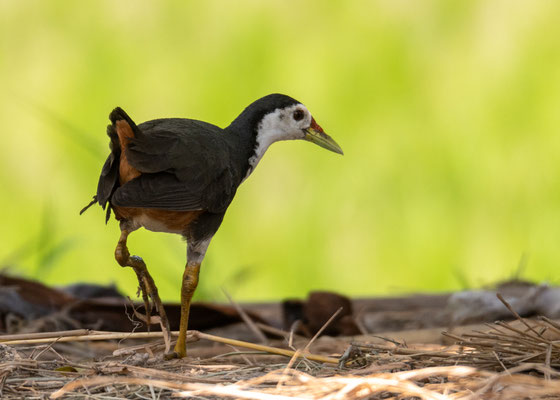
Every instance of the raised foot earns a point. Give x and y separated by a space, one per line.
147 289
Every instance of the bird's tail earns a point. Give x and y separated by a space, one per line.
89 205
122 128
125 130
118 114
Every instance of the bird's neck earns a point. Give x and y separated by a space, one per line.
255 142
249 146
246 151
262 144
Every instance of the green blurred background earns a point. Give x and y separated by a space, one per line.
448 113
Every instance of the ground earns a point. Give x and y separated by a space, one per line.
420 354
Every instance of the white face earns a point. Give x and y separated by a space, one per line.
281 124
284 124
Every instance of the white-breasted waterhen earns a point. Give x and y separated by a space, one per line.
180 175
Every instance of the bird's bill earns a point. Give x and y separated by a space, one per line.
316 135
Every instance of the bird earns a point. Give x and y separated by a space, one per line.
179 176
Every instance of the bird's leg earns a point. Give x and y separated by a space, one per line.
146 283
196 249
122 256
190 282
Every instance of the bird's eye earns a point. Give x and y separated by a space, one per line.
298 114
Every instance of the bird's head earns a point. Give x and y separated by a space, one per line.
280 117
293 121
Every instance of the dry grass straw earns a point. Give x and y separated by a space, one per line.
509 361
503 346
392 372
86 336
451 382
245 317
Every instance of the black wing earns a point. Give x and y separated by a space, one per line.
184 164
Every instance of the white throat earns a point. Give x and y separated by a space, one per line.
275 126
264 139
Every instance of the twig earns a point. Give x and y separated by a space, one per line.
39 335
267 349
90 336
112 380
322 329
273 331
192 334
500 361
552 324
248 321
547 362
133 349
298 352
47 347
510 308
